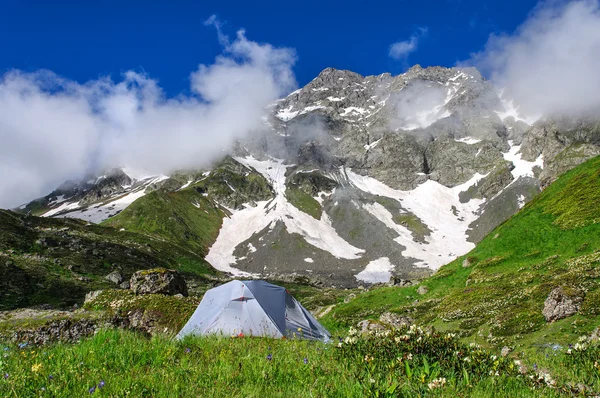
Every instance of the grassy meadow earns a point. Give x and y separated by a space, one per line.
404 363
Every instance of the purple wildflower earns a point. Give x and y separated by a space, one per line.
101 384
51 377
6 348
22 345
188 350
305 361
535 366
92 390
269 357
6 376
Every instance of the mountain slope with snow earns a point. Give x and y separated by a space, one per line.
352 179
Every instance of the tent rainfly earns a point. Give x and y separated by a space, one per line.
253 308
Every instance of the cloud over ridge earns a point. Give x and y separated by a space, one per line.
53 129
549 65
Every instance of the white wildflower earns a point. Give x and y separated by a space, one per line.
437 383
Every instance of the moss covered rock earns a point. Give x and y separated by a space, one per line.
561 303
158 281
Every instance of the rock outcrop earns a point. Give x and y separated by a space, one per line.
114 277
395 320
65 330
561 303
158 281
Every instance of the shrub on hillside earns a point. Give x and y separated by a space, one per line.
414 361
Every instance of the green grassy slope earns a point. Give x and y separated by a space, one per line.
304 202
56 261
498 298
192 217
184 217
117 363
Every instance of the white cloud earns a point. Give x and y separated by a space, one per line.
401 49
549 65
52 129
418 105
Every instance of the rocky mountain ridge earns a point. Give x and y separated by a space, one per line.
356 179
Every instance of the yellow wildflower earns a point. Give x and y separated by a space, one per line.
36 368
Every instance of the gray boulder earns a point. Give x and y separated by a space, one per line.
368 326
394 320
64 330
422 290
561 304
397 281
115 277
505 351
91 296
158 281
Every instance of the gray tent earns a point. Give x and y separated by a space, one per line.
254 308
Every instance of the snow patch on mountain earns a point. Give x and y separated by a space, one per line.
468 140
187 184
98 213
523 168
243 224
61 208
435 205
287 114
353 111
521 201
372 145
377 271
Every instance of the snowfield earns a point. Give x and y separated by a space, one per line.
435 205
377 271
523 168
243 224
468 140
96 213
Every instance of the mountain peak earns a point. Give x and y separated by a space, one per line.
333 75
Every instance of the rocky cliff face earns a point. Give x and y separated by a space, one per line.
354 179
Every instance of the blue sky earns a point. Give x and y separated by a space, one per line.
82 40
